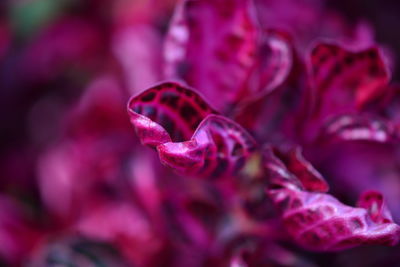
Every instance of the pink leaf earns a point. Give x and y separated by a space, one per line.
188 135
318 221
309 177
167 112
273 65
219 147
346 81
208 36
279 175
357 127
373 202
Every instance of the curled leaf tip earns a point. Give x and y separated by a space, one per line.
320 222
219 147
167 112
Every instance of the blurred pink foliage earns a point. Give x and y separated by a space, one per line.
265 120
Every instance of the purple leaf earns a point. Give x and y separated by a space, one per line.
273 65
356 166
345 81
206 37
357 127
274 91
373 202
188 135
279 176
309 177
167 112
318 221
219 147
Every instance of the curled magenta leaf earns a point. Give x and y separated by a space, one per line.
208 36
320 222
167 112
219 147
189 135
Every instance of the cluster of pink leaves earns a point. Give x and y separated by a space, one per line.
220 49
244 88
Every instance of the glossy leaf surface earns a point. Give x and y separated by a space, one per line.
320 222
219 147
167 112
